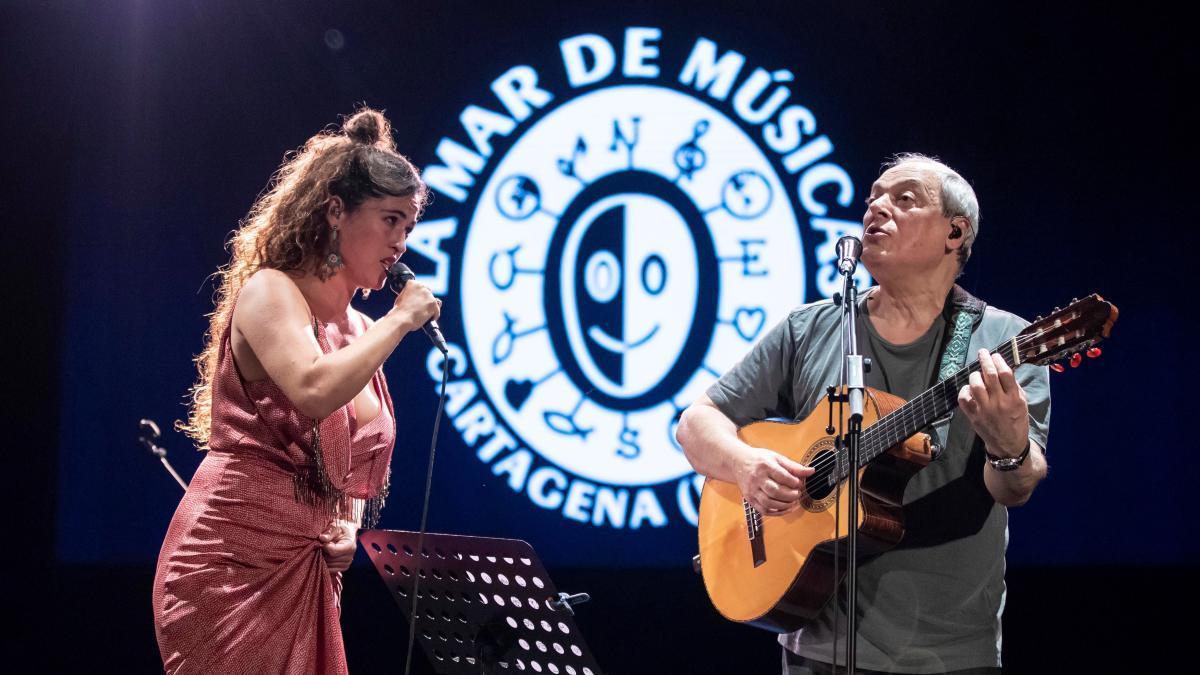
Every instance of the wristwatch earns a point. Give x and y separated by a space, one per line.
1008 463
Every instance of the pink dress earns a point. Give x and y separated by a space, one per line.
241 584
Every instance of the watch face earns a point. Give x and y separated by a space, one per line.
1008 463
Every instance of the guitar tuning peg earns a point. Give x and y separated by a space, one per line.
1057 367
1076 359
1057 310
1094 352
1074 300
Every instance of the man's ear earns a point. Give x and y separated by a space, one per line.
955 238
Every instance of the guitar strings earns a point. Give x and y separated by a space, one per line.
889 428
885 434
921 407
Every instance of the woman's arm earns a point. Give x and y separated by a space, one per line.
272 318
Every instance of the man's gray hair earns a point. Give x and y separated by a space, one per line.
958 197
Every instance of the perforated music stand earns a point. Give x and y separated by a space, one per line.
484 605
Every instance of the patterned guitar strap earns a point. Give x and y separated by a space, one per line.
966 309
955 355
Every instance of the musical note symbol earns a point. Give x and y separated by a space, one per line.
567 166
690 157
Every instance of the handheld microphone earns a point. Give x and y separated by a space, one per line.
398 275
848 250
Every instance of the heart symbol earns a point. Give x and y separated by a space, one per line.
517 392
749 321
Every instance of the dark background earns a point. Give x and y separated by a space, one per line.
137 134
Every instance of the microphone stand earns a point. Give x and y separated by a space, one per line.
852 385
148 436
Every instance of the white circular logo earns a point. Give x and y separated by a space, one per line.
613 236
627 247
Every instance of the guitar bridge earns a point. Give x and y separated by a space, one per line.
754 531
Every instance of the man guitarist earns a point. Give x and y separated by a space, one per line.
932 604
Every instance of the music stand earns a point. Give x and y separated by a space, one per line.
484 605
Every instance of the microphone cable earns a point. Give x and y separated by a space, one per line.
420 552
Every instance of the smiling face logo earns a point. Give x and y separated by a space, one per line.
626 314
596 294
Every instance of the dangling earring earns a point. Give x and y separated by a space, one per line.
333 260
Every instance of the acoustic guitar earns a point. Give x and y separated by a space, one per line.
777 573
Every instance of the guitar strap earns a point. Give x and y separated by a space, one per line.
955 356
962 311
967 310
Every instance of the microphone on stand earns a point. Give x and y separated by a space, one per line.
848 250
398 275
854 365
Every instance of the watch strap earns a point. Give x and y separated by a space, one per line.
1009 463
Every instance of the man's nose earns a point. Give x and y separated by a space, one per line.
877 209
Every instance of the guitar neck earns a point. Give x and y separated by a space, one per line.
923 409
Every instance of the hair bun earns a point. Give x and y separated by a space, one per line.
369 127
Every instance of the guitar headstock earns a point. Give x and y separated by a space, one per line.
1068 332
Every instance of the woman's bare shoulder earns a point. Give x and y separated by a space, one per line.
267 279
270 294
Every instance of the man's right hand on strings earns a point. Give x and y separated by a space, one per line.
770 481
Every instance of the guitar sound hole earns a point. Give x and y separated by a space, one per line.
821 483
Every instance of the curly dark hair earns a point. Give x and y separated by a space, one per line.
286 228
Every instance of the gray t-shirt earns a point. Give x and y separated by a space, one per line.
933 603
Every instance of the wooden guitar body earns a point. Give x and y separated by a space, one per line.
780 575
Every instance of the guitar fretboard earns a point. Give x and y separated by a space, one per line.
919 412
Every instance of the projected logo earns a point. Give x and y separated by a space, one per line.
629 246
